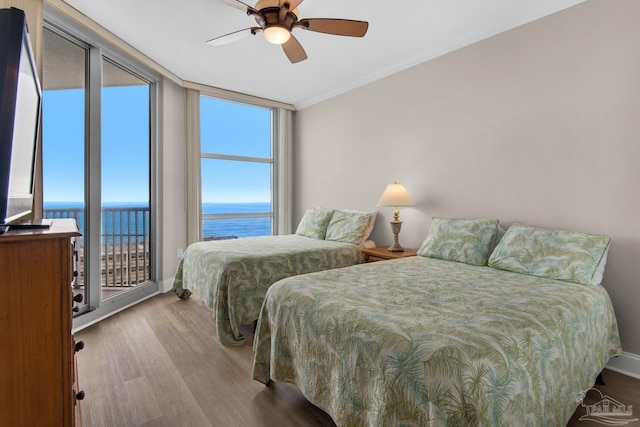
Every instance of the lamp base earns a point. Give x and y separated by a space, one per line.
395 229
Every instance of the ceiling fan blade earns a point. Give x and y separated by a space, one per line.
287 6
294 51
232 37
292 4
239 5
339 27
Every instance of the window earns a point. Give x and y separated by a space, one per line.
98 155
237 169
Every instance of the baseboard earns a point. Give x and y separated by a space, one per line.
626 363
165 285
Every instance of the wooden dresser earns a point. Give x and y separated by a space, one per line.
37 352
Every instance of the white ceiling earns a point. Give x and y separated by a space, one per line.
401 34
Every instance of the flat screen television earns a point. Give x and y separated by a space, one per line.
20 107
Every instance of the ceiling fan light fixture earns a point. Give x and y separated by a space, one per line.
276 34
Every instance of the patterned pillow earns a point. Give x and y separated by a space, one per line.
460 240
554 254
348 227
314 223
372 222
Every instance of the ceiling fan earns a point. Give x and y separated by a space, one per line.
278 18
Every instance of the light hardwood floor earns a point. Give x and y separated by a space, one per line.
159 364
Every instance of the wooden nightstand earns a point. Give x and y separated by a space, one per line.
382 253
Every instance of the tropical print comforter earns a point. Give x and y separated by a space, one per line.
232 276
425 342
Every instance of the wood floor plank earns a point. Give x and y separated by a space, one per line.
101 410
140 411
160 370
159 364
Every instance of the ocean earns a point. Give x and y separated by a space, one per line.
132 219
236 227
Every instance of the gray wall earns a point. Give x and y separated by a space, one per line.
173 179
538 125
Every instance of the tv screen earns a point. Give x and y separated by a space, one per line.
20 106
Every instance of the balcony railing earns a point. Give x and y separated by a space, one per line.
125 244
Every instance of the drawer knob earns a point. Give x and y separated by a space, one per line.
79 346
80 395
78 298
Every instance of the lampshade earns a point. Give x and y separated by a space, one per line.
276 34
395 195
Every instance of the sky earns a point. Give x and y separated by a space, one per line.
62 152
240 130
226 128
125 136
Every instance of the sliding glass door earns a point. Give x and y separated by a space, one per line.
125 203
98 121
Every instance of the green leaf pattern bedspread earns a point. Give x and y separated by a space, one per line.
426 342
232 276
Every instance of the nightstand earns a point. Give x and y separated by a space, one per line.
382 253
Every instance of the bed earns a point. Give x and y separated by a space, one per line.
432 340
232 276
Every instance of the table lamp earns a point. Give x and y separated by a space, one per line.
395 195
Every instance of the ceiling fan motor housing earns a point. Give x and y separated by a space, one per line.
274 16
